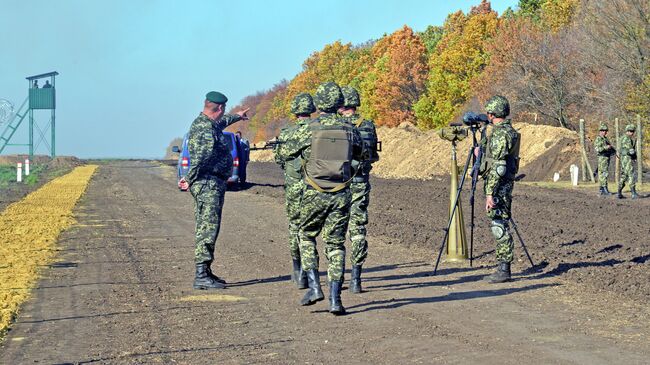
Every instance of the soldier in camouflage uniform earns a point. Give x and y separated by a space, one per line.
302 107
324 210
628 162
604 150
499 169
360 186
210 168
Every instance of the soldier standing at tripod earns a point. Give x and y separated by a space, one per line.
498 168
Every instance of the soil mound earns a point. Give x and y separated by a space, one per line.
60 162
408 152
13 159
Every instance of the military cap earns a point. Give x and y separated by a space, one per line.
302 104
351 97
328 97
498 106
216 97
603 127
630 128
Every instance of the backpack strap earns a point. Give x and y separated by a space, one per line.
316 187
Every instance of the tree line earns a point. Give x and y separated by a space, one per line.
556 61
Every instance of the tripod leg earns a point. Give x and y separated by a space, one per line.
521 240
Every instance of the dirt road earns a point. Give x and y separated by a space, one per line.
121 292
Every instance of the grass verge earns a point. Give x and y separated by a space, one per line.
28 231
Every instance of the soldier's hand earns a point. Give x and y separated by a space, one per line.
489 203
242 113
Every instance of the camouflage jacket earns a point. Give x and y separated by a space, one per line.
498 147
291 164
600 144
209 152
628 147
299 145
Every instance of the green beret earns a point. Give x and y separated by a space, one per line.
216 97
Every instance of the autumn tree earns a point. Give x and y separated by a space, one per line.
460 58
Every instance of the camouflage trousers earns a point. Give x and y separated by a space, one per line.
628 175
293 195
499 226
603 170
360 192
208 200
329 213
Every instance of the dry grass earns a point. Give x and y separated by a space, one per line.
28 233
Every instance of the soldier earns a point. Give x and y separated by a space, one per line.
302 107
604 150
499 167
327 146
210 168
628 158
360 186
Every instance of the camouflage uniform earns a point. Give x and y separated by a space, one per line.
210 168
323 211
628 159
499 168
600 144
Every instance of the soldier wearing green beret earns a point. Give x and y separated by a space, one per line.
302 107
210 168
628 162
605 150
360 186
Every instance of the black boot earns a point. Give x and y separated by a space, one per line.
315 293
620 193
214 277
336 307
634 194
204 281
355 279
298 276
501 275
605 191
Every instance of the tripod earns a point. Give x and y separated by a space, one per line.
476 162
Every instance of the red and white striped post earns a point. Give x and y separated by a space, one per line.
26 167
19 172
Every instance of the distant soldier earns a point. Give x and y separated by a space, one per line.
327 146
47 85
210 168
302 107
499 168
604 150
628 159
360 187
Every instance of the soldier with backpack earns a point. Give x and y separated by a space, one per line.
302 107
327 147
360 186
499 168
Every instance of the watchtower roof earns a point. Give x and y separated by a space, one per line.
53 73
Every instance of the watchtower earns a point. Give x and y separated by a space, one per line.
40 98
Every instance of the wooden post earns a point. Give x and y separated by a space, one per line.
639 151
618 149
583 165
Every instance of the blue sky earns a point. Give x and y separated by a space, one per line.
133 73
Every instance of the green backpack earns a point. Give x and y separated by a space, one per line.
368 134
329 166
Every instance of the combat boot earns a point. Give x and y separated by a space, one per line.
355 279
620 193
214 277
204 281
336 307
298 276
634 194
501 275
605 191
314 293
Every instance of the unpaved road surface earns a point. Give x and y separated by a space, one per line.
121 291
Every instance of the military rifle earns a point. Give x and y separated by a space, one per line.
268 145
